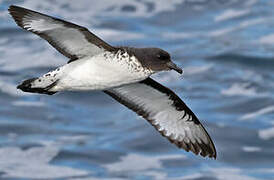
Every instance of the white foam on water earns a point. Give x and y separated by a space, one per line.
251 2
240 26
34 163
73 139
266 134
267 39
227 173
193 176
223 173
251 22
195 34
241 89
65 140
29 103
137 162
22 56
251 149
216 32
265 170
134 164
157 175
191 70
258 113
221 32
94 178
115 35
231 13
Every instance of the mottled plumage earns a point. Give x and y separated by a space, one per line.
121 72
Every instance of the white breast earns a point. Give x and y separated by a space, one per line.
104 71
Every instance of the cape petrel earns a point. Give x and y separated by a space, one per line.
121 72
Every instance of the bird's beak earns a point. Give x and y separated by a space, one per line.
173 66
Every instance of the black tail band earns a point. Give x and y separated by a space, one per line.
26 87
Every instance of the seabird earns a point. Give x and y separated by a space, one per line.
121 72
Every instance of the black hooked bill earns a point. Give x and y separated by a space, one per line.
173 66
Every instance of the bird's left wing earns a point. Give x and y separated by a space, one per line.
72 40
167 113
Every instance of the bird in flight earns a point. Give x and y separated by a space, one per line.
121 72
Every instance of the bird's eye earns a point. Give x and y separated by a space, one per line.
162 56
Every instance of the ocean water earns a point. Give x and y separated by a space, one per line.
226 48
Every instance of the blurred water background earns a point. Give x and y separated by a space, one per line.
226 50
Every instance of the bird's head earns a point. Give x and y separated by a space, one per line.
156 59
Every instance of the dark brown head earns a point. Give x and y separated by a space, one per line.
154 58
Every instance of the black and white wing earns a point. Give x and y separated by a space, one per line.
71 40
167 113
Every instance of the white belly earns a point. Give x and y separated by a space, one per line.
100 72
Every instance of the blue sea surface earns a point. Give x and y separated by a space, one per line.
226 49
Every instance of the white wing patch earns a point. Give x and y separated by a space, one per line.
167 113
39 23
71 40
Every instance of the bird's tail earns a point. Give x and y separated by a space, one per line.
41 85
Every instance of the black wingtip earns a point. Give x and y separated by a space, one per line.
13 8
17 14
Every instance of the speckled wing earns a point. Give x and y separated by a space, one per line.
71 40
167 113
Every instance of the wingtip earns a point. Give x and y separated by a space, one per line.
17 13
215 154
13 8
200 149
211 155
10 9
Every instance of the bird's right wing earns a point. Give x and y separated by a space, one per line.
167 113
72 40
